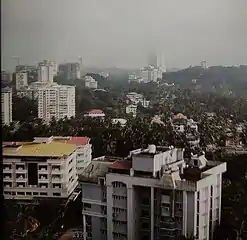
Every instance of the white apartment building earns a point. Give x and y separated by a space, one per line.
131 109
157 61
45 72
133 78
53 64
69 71
83 152
152 194
21 80
39 170
90 82
56 101
6 105
104 74
150 74
135 98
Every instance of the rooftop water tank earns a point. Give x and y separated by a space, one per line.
152 148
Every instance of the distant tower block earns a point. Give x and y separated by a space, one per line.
204 64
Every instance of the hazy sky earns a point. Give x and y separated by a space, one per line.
122 33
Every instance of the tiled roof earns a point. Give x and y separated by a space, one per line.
53 149
122 164
79 140
94 111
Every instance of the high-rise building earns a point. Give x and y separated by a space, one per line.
45 72
6 78
51 63
153 194
21 80
6 103
56 101
90 82
69 71
157 61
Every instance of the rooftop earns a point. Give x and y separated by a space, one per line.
121 164
94 111
74 140
53 149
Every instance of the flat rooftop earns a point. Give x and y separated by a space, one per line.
53 149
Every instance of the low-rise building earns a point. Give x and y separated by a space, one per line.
153 194
95 113
121 121
135 98
131 109
151 74
133 78
90 82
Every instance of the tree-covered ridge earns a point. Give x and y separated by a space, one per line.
218 79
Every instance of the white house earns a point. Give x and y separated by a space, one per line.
95 113
131 109
90 82
122 121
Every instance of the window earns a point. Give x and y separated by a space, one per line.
35 194
7 193
43 194
21 193
86 205
28 193
56 194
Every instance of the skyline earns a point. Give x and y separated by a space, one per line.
122 35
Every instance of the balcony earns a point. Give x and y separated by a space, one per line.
56 180
42 170
20 170
21 179
56 171
43 180
7 170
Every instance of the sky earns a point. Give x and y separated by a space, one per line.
109 33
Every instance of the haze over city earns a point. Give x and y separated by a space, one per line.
122 33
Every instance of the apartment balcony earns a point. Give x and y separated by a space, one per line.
56 171
7 170
21 170
7 178
43 180
21 179
56 180
43 170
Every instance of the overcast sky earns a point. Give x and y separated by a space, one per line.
122 32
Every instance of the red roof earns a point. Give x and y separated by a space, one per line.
79 140
122 164
94 111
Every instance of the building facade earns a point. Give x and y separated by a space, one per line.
6 78
150 74
90 82
69 71
39 169
21 80
45 72
6 103
53 64
56 101
153 194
